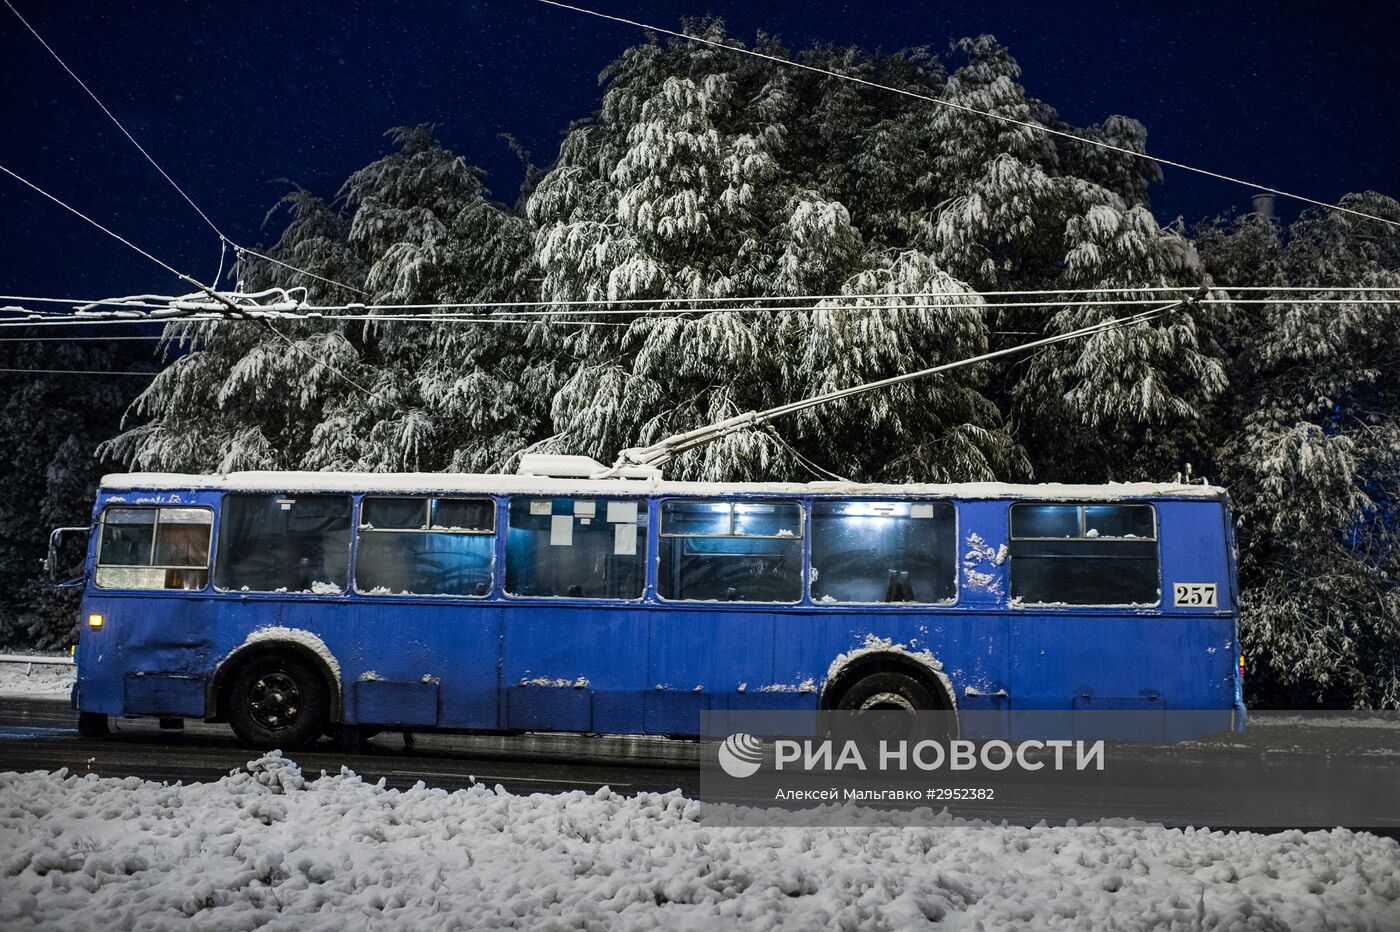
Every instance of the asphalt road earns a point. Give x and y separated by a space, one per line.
42 734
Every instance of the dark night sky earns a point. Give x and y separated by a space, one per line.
230 97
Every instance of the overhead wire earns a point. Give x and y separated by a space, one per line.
1133 289
821 472
19 323
663 451
80 372
111 116
116 236
75 320
869 304
242 250
566 317
155 337
182 309
970 109
523 312
224 240
309 355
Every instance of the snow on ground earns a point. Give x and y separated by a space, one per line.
36 679
264 846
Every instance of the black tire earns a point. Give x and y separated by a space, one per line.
93 725
278 701
891 703
887 691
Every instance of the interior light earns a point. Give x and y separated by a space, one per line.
94 620
877 509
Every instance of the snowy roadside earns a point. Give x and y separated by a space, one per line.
265 846
36 680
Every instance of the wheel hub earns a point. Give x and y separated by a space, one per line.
887 702
274 700
890 717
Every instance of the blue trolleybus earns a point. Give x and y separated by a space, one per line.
293 605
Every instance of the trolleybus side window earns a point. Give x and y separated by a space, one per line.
284 543
730 551
154 548
866 551
425 546
1078 554
588 548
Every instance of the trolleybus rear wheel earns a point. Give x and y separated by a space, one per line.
887 691
278 701
890 704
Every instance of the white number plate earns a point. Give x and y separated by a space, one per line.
1194 594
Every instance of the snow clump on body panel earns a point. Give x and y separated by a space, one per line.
265 845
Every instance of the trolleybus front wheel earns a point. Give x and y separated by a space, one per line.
278 701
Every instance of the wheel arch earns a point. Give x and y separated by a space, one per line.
851 672
302 644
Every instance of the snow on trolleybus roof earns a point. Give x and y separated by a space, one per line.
566 486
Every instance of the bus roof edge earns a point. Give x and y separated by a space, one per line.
565 486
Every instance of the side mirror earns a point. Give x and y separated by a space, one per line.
65 560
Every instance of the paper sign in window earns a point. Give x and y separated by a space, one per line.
625 539
541 507
921 510
561 531
585 509
622 513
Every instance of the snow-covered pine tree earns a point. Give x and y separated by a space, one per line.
448 395
1023 210
245 394
416 227
1309 445
660 196
683 187
936 429
1132 399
